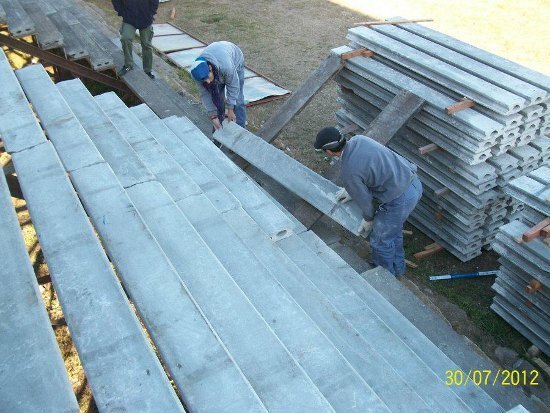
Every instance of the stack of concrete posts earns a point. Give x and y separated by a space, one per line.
522 297
467 157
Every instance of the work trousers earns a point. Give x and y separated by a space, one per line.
127 34
240 107
386 238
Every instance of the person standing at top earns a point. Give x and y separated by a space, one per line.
136 15
219 73
371 171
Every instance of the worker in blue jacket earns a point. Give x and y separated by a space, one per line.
370 171
136 15
219 73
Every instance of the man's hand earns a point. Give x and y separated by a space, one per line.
342 196
365 228
216 123
230 115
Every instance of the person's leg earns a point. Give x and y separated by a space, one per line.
411 197
240 107
146 38
399 265
385 232
127 33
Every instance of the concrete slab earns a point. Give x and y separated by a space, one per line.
313 188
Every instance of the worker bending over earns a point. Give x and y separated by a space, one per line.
372 171
219 67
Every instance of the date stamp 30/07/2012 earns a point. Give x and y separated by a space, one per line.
492 377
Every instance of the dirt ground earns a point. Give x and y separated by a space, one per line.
286 41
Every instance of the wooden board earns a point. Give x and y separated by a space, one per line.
394 116
301 97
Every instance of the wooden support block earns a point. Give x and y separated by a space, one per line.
546 241
536 231
442 192
427 253
458 106
173 13
411 264
428 148
533 286
545 232
367 53
380 22
431 246
357 52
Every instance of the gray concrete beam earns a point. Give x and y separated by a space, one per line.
463 83
531 93
294 176
507 66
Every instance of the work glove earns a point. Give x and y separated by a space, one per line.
365 228
342 196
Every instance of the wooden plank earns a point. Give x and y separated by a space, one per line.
428 148
358 52
394 116
381 22
299 99
458 106
533 286
427 253
535 231
545 232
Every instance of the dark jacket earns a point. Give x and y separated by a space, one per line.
138 13
370 170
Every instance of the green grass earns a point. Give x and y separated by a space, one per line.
473 295
190 85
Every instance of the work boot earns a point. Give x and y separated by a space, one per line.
124 70
150 74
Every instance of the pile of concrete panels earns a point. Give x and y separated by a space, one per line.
467 157
522 297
